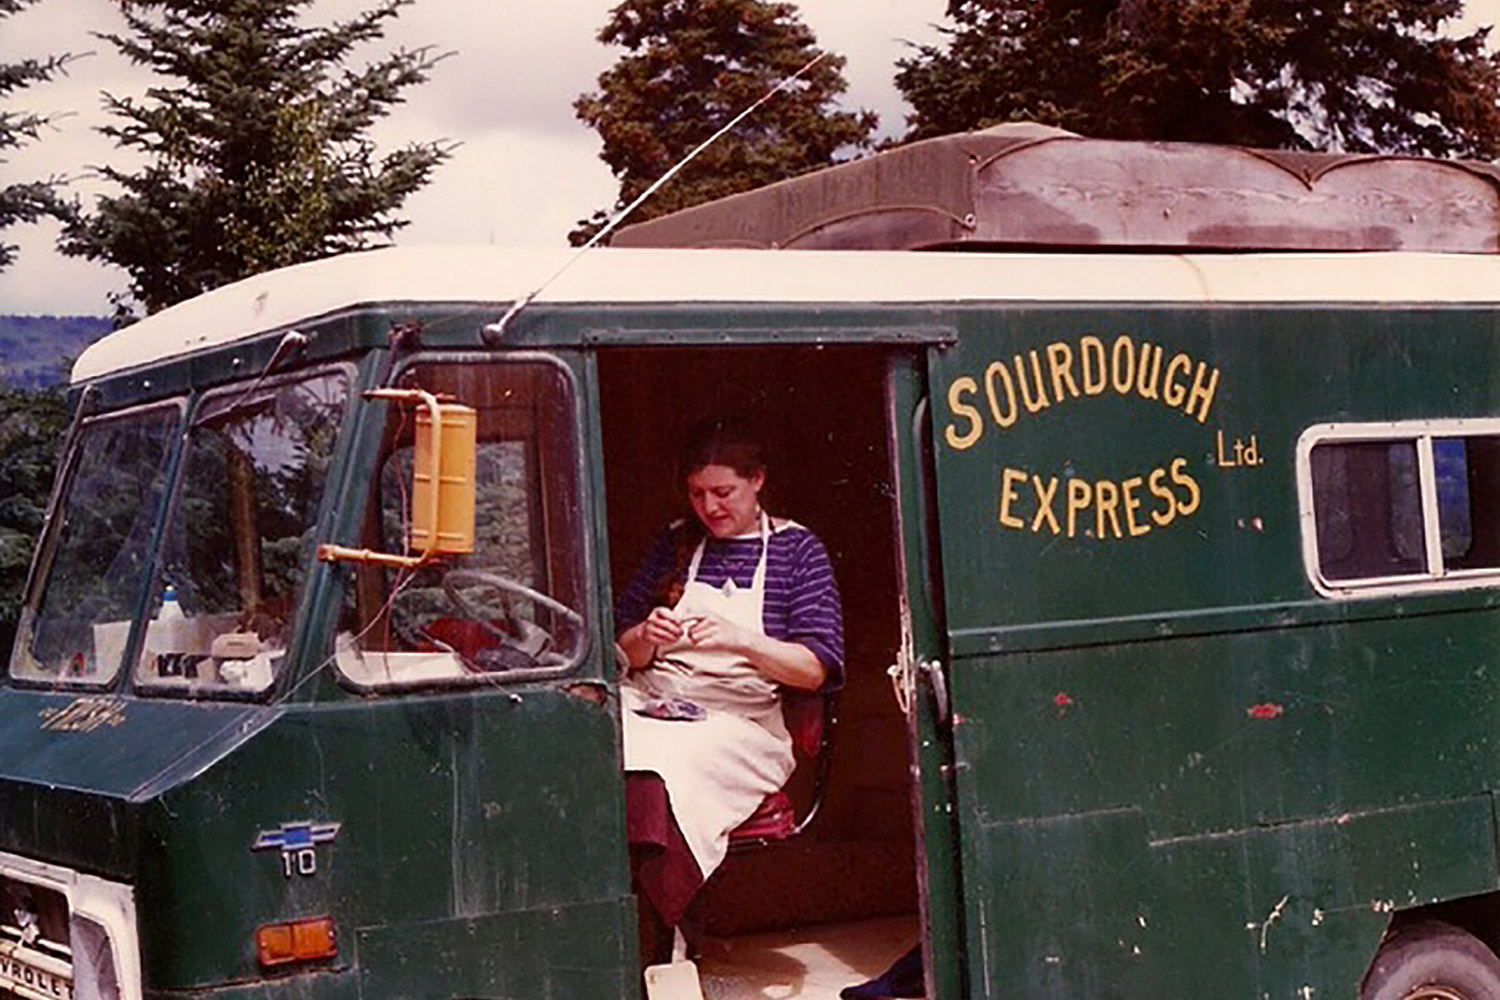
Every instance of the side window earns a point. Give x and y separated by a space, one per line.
240 537
512 608
1401 506
97 550
1369 510
1468 480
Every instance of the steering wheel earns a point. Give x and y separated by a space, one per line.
527 638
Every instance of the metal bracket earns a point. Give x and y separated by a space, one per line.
932 670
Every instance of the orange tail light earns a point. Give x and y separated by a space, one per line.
297 941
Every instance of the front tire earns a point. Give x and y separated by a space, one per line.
1432 961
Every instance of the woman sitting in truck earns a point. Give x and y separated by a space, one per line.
730 608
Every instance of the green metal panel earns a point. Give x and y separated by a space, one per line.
1153 790
1219 732
76 829
1229 555
557 952
1165 739
1087 905
1059 907
449 326
449 808
1281 908
465 812
117 747
454 808
938 871
327 338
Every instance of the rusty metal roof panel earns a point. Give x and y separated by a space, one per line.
1030 186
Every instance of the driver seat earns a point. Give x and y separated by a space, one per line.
811 720
476 644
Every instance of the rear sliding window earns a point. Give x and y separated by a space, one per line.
1391 507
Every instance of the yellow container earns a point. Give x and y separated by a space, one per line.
451 475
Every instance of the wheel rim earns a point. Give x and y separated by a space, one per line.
1433 991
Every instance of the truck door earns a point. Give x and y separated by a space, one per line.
1070 469
920 675
495 819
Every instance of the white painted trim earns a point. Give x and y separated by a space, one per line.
1432 529
491 278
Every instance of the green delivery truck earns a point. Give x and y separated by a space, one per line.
1161 483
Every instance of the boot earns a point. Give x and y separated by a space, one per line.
902 979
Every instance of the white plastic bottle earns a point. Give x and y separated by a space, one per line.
170 609
166 639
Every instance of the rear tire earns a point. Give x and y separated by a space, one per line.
1432 961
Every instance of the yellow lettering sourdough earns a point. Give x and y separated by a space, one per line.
1032 382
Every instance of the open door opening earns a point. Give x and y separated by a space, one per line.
843 892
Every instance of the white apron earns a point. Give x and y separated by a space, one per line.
716 769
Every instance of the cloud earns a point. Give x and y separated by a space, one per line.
45 282
516 188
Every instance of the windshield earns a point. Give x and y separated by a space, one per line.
97 550
512 607
240 538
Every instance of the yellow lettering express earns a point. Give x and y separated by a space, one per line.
1009 479
1133 504
1187 482
1168 513
1080 495
1045 491
1104 509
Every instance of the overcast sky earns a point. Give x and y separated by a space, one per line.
526 169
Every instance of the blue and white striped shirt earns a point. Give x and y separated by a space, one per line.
801 601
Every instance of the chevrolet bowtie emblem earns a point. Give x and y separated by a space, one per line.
295 836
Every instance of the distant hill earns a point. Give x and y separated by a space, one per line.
38 351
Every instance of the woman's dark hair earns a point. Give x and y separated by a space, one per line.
724 440
727 441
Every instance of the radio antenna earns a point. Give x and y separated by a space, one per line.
493 332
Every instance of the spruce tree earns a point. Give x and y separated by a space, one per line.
32 427
1386 76
257 155
689 67
25 201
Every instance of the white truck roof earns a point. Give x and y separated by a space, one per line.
487 276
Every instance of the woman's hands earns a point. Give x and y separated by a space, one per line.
709 631
661 628
642 642
789 663
664 629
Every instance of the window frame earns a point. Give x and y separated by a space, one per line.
201 400
44 560
584 544
1435 576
